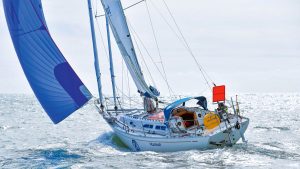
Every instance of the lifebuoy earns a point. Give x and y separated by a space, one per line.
211 120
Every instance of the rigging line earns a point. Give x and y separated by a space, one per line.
94 4
122 81
189 49
148 70
134 62
203 72
124 8
148 54
102 39
96 7
128 87
129 97
172 29
134 4
104 46
118 96
157 46
103 43
166 21
106 52
143 59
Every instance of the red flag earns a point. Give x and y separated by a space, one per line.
219 93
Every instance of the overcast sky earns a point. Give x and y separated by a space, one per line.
248 45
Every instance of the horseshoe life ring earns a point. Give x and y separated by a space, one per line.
211 120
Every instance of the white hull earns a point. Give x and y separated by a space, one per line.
150 142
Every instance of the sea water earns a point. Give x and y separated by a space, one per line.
28 139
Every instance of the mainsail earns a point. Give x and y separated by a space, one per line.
117 21
54 82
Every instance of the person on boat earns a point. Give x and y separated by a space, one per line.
223 111
148 104
222 107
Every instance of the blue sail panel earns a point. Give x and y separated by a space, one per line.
53 81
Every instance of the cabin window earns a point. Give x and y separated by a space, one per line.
160 127
131 123
148 126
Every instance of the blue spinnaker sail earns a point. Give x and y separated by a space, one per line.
54 82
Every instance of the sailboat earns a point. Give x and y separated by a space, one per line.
175 127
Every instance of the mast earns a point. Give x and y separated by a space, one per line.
112 73
96 62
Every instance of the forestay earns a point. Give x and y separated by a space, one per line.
55 84
117 21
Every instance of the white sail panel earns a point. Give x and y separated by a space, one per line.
119 27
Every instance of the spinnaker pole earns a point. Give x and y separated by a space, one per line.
112 73
96 61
